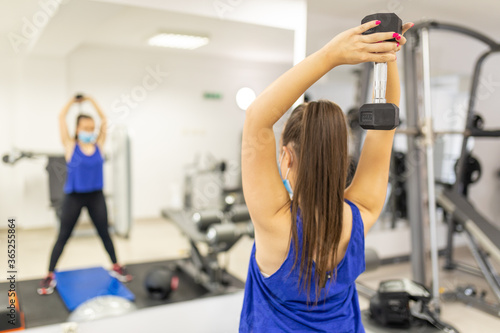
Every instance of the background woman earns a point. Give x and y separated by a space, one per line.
83 187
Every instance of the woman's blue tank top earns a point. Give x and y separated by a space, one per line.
274 304
84 172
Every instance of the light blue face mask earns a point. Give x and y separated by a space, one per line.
286 182
86 137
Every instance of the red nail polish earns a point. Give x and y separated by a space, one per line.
395 35
397 44
398 38
378 22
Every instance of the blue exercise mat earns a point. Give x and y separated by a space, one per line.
78 286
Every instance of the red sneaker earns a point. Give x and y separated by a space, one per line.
47 285
120 272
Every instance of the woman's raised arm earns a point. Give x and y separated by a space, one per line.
63 126
369 186
264 192
101 137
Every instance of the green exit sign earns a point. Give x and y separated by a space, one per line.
212 95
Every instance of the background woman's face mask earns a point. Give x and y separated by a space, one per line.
86 137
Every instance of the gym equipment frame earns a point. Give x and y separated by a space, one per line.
216 228
483 236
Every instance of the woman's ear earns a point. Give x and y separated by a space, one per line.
288 158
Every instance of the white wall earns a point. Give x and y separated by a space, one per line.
169 126
339 86
33 97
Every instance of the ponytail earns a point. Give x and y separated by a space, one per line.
319 134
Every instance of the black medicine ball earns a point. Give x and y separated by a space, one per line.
160 282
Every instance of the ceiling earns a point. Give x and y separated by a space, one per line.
235 34
83 22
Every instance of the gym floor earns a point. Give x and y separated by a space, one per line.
158 239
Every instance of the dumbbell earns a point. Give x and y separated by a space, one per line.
239 213
204 219
228 232
380 115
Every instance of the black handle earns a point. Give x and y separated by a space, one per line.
388 22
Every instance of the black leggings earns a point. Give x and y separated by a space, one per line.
71 208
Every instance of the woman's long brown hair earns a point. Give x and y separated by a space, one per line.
317 132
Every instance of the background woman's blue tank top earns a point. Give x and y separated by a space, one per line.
274 304
85 173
